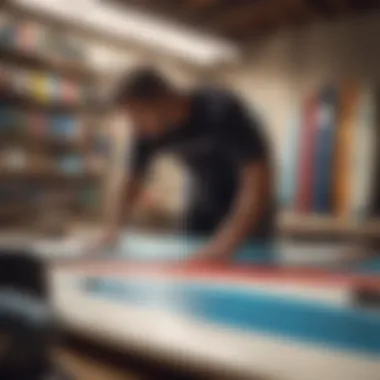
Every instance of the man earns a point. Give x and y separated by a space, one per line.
214 136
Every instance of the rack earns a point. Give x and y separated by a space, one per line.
43 168
311 226
74 70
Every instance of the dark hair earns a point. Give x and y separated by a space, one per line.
143 84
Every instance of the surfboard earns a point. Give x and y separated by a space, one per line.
325 139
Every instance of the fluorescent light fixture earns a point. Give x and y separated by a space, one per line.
141 28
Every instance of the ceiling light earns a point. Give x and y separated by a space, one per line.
130 24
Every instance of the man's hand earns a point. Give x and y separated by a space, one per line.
250 203
211 253
128 192
110 238
107 241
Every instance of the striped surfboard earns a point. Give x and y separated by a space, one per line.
289 159
344 147
306 158
363 156
325 138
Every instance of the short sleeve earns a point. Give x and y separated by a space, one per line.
141 156
241 133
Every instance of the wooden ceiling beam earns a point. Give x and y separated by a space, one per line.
200 10
264 12
242 19
199 5
293 13
174 6
329 7
224 19
341 5
363 5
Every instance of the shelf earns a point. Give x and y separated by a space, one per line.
70 74
54 144
48 175
322 225
15 208
9 98
75 70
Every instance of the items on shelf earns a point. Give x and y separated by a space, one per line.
13 192
71 164
89 196
13 159
34 38
49 127
337 165
101 144
42 87
96 164
43 81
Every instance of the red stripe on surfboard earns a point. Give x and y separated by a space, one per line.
226 273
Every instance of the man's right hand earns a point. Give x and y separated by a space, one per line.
106 242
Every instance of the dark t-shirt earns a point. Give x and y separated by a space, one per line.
217 139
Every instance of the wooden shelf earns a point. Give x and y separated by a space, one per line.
52 144
47 176
321 225
15 208
38 171
75 70
8 97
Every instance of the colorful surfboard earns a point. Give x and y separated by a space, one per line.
289 159
375 198
325 139
344 148
363 155
306 157
235 319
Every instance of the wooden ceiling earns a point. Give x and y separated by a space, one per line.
242 20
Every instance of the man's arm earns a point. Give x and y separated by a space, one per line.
242 139
129 192
137 165
251 202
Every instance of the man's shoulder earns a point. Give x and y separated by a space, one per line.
215 95
215 102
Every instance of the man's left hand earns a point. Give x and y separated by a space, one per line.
211 253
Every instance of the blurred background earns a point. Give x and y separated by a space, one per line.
308 68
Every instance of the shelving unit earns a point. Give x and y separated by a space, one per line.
28 103
52 171
312 226
74 70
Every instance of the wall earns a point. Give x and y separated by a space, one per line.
280 68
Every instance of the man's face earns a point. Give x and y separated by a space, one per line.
149 118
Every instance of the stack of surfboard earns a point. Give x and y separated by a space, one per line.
331 162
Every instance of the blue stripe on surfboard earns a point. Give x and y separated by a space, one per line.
368 266
336 327
175 247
